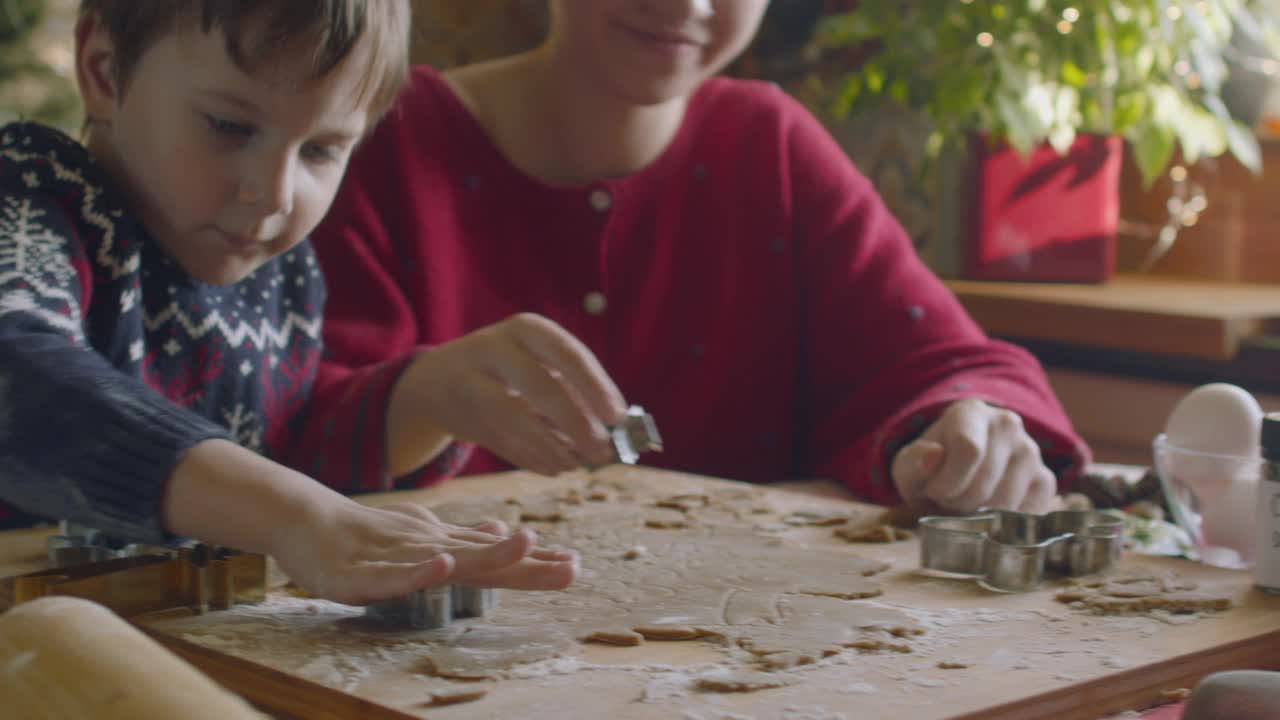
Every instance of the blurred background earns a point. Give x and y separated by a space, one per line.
1098 180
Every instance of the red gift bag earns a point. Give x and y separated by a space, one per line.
1044 217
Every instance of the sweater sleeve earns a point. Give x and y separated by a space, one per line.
370 337
889 347
79 439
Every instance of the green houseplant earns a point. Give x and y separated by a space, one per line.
1042 71
30 87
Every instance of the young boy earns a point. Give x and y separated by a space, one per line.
706 239
159 308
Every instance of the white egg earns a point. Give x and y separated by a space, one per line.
1218 419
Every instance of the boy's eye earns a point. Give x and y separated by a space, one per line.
222 126
319 152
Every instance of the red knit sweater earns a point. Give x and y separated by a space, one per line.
748 288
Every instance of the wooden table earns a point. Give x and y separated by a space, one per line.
1030 657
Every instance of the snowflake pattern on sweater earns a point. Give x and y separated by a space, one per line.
78 267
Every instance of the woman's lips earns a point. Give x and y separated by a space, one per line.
667 42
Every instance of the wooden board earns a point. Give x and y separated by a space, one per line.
1191 318
1031 657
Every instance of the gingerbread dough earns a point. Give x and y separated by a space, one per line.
1132 591
655 569
701 574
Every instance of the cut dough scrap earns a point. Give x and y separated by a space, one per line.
662 518
818 518
673 632
856 590
742 503
740 681
1140 591
454 696
484 651
812 628
861 532
615 637
684 503
1182 602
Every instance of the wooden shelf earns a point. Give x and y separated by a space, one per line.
1169 316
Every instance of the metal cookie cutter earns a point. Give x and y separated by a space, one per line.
137 579
1012 551
637 433
435 607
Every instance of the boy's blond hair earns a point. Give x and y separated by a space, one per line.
327 30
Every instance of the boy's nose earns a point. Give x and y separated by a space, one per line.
267 186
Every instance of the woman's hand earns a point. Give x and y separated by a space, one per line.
524 388
975 455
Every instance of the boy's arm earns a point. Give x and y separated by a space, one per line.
889 347
80 440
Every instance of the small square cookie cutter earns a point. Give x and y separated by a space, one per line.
434 607
637 433
1013 552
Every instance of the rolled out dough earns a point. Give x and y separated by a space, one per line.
703 573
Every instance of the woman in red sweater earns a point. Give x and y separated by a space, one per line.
701 240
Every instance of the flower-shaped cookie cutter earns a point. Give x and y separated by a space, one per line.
1013 552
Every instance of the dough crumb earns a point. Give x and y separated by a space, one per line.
862 593
666 519
612 637
862 533
635 552
816 518
454 696
670 632
785 660
684 503
734 682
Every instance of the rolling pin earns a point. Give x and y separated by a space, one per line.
63 657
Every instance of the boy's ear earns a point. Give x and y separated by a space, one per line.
95 69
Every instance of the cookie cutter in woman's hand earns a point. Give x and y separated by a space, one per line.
637 433
1013 552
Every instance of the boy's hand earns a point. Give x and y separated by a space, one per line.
523 388
350 553
975 455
